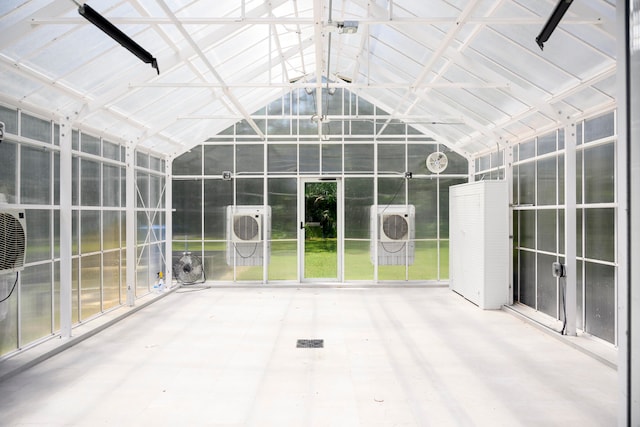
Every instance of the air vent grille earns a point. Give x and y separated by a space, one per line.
12 241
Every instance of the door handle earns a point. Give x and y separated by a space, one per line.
301 225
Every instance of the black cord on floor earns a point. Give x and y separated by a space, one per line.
12 289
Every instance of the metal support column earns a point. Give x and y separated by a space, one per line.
570 245
508 176
132 250
168 208
66 229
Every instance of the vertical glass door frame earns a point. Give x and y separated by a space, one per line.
302 181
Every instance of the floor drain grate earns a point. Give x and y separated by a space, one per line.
310 344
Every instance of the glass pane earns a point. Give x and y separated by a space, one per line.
90 144
218 195
600 233
142 272
156 262
547 236
217 159
8 154
111 185
309 158
111 230
90 231
187 202
527 275
357 262
579 176
391 158
142 159
283 261
110 150
156 192
283 158
444 260
90 286
358 158
90 183
561 179
10 118
35 128
331 158
56 179
38 235
600 300
391 191
547 286
456 163
547 183
35 303
190 163
527 150
35 176
599 127
283 200
423 194
528 229
417 157
599 170
526 183
214 259
142 190
547 143
358 199
425 266
250 158
111 279
75 290
250 191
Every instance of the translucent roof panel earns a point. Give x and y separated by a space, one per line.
468 74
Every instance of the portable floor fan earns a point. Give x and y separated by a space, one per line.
188 270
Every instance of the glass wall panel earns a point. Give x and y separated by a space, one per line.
423 194
283 201
417 157
357 260
111 185
190 163
250 158
38 235
142 271
599 171
547 143
111 279
309 158
425 266
391 158
526 183
110 230
527 274
456 163
90 293
599 127
250 191
547 286
331 158
600 233
35 128
35 177
218 195
358 158
600 300
35 303
90 231
89 144
90 183
547 181
528 229
444 259
283 261
547 233
282 158
526 150
142 189
8 314
110 150
358 200
187 198
391 191
8 152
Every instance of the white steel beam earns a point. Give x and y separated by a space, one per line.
130 215
570 234
66 229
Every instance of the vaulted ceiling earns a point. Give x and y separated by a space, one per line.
466 73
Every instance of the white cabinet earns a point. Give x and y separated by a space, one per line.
479 242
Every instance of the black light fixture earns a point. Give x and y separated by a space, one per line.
553 22
112 31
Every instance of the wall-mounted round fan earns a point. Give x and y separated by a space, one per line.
437 162
188 270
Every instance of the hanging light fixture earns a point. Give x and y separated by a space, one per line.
112 31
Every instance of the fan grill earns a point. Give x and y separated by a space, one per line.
395 227
12 242
245 227
189 270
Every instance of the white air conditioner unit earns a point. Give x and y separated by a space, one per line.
13 240
396 233
247 229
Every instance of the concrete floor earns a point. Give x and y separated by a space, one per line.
391 357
